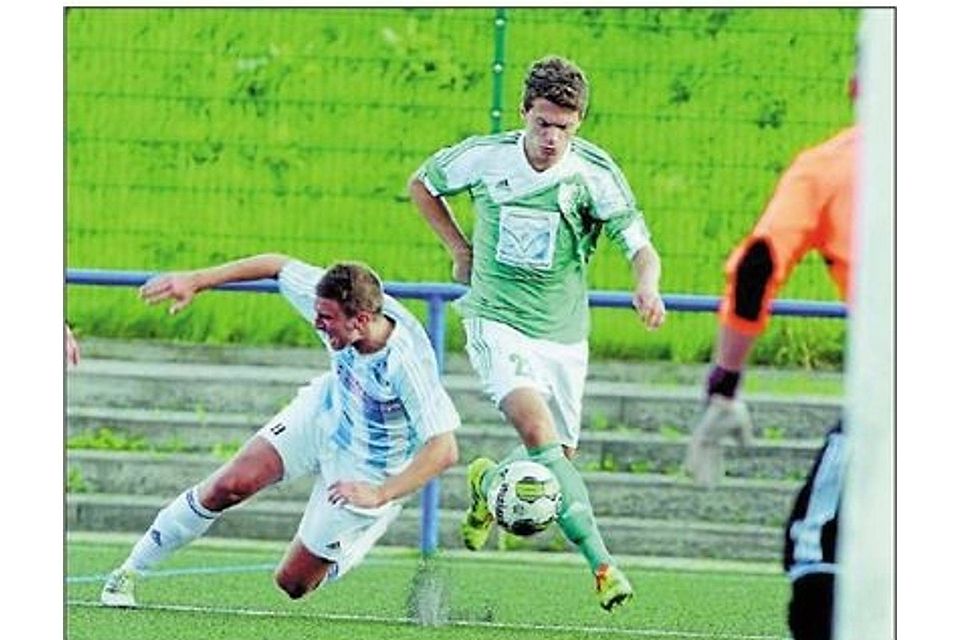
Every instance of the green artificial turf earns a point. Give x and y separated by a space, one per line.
229 593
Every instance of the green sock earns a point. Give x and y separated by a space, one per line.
519 453
576 514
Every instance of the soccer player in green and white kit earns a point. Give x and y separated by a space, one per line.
542 197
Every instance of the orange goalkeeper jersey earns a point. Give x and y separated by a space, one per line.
811 209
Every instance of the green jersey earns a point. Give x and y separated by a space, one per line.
536 230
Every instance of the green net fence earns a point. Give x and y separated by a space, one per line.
195 136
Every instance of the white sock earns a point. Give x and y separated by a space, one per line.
178 523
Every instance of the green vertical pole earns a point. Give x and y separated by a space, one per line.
499 55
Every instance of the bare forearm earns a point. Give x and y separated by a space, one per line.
439 217
439 453
646 268
266 265
733 348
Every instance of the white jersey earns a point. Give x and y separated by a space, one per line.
384 405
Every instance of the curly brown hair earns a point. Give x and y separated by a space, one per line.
354 285
558 80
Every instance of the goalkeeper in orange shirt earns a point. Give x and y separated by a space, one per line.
811 210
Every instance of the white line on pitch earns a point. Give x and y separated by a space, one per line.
186 571
372 560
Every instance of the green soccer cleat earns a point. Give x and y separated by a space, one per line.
118 590
478 521
613 588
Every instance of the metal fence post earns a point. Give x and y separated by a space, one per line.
499 60
430 496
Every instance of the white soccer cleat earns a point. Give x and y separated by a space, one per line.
118 589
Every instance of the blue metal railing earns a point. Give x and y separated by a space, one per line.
437 294
441 292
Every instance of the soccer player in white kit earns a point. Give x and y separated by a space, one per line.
373 429
542 198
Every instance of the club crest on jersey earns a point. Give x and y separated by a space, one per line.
568 198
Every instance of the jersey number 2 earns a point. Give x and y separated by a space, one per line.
521 364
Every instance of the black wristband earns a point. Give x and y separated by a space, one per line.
722 382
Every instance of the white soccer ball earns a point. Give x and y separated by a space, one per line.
524 497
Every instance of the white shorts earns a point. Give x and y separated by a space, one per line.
506 359
340 534
300 433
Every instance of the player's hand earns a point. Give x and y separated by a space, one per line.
359 494
178 287
649 306
463 266
71 350
724 418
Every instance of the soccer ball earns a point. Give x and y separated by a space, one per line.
524 497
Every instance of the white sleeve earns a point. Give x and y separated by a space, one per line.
615 205
452 169
610 193
298 284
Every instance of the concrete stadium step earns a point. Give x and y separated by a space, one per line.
257 390
316 357
197 399
609 450
278 520
656 373
643 496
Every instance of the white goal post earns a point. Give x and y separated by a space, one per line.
866 554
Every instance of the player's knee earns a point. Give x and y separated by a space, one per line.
294 586
297 582
228 490
535 429
752 276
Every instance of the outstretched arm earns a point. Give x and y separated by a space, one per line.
646 293
439 453
440 218
182 286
